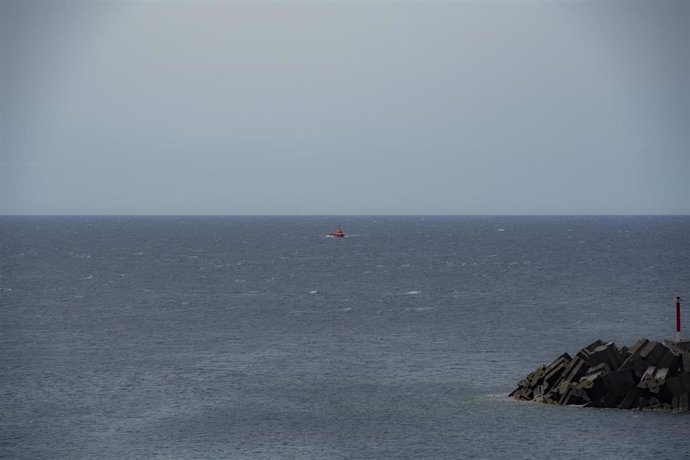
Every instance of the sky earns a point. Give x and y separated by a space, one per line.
345 107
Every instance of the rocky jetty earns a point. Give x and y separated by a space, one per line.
647 375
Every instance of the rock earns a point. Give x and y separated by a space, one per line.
649 374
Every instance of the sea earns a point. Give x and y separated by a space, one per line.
263 338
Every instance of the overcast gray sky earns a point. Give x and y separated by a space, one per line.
342 107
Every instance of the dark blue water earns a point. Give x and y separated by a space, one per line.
258 337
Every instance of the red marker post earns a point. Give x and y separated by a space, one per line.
678 299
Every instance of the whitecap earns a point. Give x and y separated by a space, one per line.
313 292
412 292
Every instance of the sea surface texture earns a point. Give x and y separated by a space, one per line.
261 337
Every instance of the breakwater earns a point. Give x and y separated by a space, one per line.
647 375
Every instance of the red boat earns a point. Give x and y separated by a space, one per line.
338 233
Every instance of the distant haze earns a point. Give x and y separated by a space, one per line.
335 107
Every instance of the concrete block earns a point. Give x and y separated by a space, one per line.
652 348
654 403
618 383
679 384
685 356
576 397
674 402
682 344
587 381
599 369
685 378
647 377
661 375
564 396
684 402
680 402
638 346
659 355
593 345
584 353
594 385
630 400
635 363
551 397
538 395
576 369
572 396
657 381
654 387
606 354
668 359
554 371
535 378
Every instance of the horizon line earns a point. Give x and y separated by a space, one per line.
354 215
